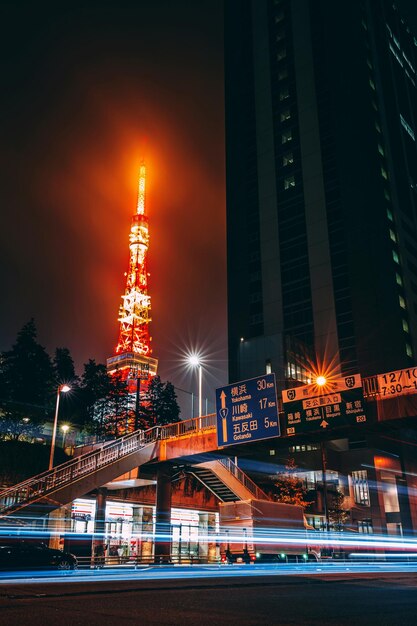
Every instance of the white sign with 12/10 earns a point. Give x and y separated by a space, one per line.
398 383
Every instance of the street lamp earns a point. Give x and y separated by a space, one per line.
195 361
65 429
61 388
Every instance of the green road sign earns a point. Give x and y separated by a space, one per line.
313 408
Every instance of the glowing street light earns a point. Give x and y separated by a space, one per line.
64 389
321 381
195 361
65 429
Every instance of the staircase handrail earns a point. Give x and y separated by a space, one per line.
243 478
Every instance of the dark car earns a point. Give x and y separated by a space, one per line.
25 555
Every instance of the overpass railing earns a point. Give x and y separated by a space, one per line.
243 478
370 387
188 427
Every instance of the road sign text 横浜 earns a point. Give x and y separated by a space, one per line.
398 383
247 411
338 403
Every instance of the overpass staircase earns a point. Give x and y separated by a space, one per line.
51 489
41 494
227 481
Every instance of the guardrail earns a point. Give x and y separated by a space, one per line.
370 387
187 427
87 562
244 479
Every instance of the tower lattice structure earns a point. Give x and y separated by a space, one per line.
133 351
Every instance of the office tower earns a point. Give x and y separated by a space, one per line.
321 187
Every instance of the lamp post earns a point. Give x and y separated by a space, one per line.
194 361
65 429
61 388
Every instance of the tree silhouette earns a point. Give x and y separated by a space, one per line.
27 386
162 402
338 515
289 488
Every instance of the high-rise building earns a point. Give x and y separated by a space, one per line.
321 124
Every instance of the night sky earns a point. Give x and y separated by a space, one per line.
88 89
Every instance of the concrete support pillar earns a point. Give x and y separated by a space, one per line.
59 521
99 521
163 540
100 514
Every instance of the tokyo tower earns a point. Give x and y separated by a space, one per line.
133 351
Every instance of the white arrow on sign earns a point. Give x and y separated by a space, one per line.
223 399
324 424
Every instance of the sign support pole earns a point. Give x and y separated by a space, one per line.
323 473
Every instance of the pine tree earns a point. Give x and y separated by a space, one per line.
289 488
93 396
64 366
162 399
27 386
120 415
65 374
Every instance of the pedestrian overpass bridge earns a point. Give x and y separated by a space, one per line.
108 462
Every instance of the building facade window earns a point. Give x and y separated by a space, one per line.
392 235
365 526
288 159
281 54
285 115
395 257
286 136
256 318
408 350
289 182
398 279
284 94
360 487
405 326
402 302
407 127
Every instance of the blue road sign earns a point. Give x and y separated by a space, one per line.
247 411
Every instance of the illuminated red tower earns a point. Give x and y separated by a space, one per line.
133 351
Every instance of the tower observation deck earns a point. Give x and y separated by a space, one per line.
132 356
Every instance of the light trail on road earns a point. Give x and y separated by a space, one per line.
190 572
